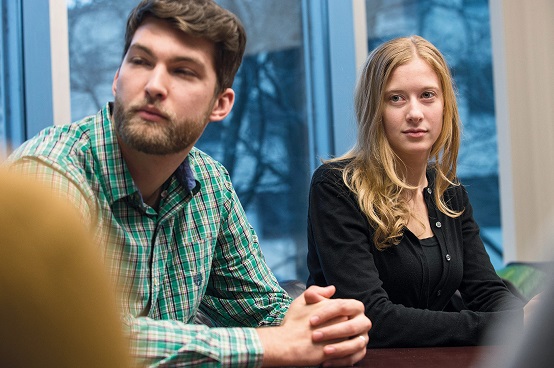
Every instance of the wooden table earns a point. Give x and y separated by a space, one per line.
435 357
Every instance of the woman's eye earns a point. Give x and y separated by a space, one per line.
395 98
428 94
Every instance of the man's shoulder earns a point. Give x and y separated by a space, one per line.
66 149
57 143
206 166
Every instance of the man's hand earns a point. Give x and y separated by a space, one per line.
318 330
341 325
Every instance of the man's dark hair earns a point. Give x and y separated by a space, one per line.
198 18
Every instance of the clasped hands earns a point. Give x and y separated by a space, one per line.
318 330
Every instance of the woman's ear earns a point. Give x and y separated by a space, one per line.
223 105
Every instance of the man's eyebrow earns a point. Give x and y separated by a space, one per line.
147 50
140 47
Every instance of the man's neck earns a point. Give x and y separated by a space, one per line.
150 172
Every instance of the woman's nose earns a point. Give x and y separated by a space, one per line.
415 113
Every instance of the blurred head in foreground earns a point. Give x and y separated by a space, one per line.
56 305
532 348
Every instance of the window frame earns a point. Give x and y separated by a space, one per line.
34 99
12 74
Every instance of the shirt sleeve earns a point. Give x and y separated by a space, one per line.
339 239
164 343
242 292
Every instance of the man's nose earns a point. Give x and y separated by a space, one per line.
156 87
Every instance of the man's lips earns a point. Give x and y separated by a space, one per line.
151 114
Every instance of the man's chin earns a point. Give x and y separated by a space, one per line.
155 149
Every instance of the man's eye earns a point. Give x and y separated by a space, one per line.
184 72
138 61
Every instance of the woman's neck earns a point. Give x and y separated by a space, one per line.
415 174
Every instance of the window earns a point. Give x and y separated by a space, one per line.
461 30
294 106
264 142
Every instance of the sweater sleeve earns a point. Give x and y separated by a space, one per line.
481 288
339 253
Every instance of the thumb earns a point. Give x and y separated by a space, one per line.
315 294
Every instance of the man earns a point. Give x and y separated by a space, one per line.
177 239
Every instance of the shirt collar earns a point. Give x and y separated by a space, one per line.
185 176
117 179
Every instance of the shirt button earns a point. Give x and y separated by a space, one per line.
429 190
164 194
448 258
198 279
439 293
438 224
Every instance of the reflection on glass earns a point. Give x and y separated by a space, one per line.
461 30
263 143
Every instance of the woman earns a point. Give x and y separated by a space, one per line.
388 222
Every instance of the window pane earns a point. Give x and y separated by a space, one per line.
263 143
11 81
461 30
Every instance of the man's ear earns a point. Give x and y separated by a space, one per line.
114 83
223 105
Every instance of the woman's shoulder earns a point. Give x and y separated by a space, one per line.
455 191
330 172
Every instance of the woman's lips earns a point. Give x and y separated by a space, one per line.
415 133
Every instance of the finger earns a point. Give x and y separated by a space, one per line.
337 307
346 352
359 325
315 294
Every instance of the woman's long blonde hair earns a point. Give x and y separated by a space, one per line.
374 171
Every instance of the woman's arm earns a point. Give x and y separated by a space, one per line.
339 253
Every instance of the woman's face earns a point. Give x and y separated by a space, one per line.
413 110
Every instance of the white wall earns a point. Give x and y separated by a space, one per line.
523 57
60 62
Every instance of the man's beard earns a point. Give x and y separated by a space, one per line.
155 138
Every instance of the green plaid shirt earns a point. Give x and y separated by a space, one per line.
197 252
